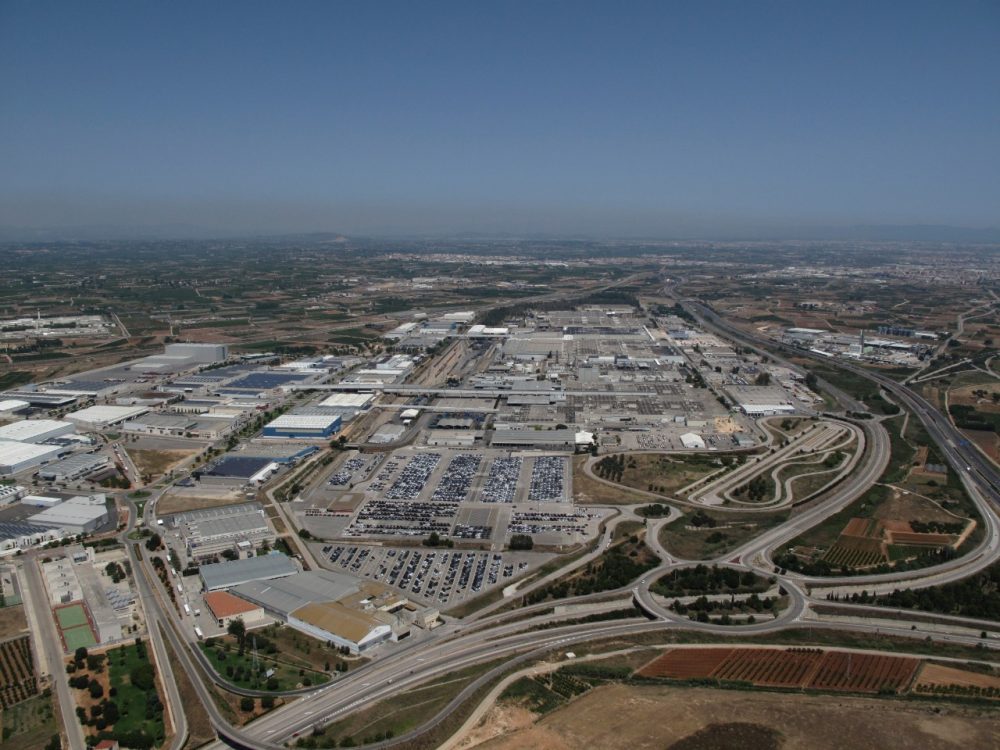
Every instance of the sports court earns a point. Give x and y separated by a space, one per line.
74 624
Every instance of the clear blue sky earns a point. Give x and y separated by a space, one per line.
616 118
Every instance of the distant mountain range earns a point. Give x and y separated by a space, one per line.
857 233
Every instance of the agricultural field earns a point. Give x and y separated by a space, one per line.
940 679
661 716
806 669
18 680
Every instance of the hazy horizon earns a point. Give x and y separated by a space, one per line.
712 121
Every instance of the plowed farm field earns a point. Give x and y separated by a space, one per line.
787 668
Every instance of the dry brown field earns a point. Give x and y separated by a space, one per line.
648 717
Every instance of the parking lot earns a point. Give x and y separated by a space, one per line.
465 495
439 578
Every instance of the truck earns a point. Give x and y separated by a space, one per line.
197 632
187 609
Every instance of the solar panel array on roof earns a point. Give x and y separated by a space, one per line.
210 514
238 466
266 381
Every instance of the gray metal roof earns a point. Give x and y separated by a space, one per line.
288 594
225 575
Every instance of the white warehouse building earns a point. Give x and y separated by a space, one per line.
16 457
78 515
35 430
207 353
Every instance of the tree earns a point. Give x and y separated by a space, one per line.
238 630
80 654
521 542
153 543
247 705
96 689
142 676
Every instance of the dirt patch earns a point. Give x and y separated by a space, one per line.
12 621
640 717
156 463
499 721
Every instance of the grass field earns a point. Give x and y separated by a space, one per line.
239 669
665 474
689 542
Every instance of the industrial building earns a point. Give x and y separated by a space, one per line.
101 417
12 406
160 424
73 578
239 470
16 457
35 430
207 533
225 575
225 608
74 467
761 401
563 440
16 536
11 493
347 405
332 607
203 353
35 397
692 441
78 515
304 426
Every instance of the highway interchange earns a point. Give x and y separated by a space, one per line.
510 638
